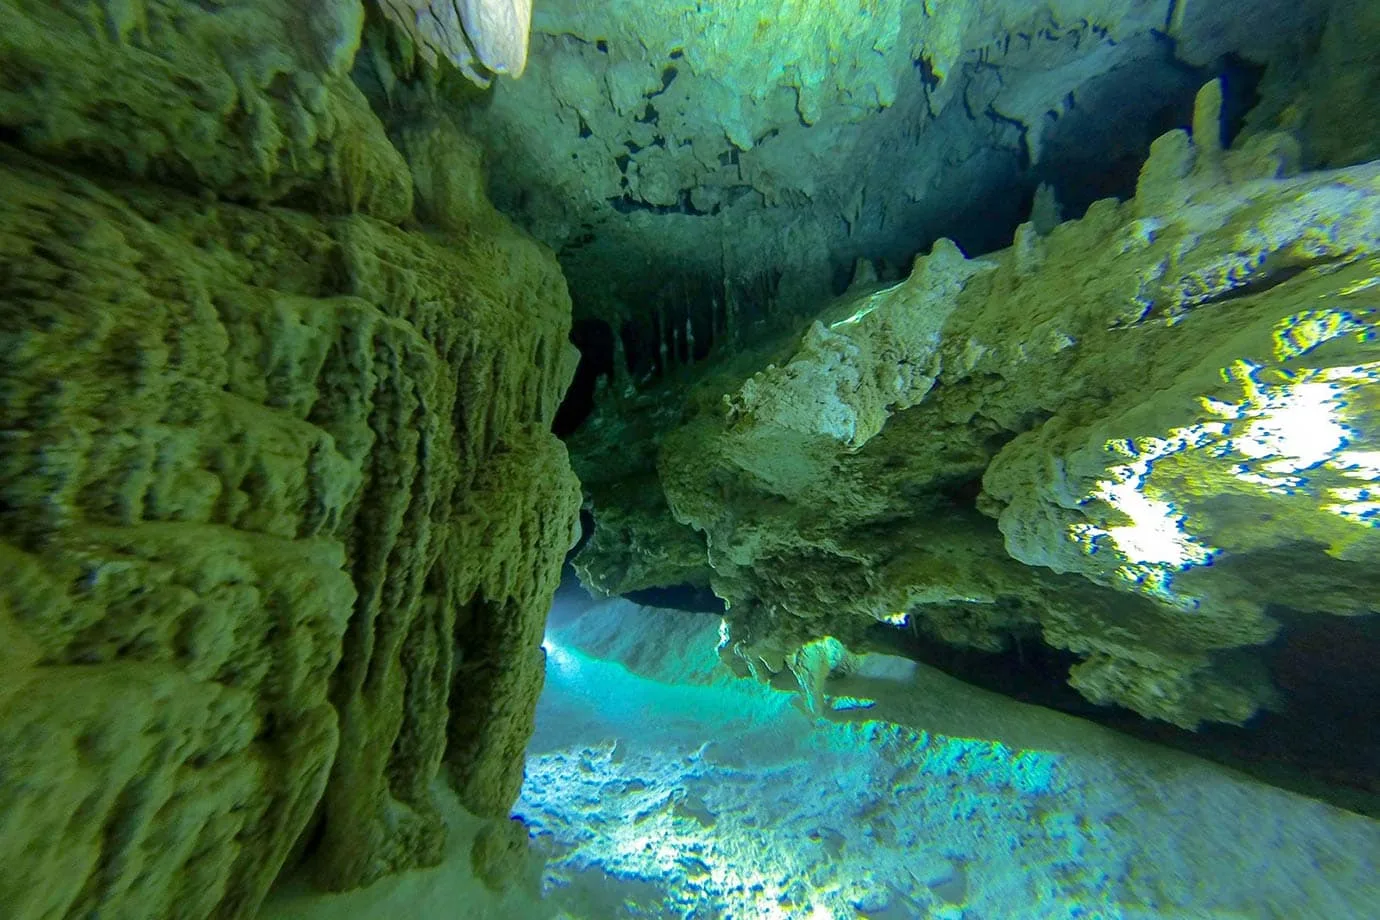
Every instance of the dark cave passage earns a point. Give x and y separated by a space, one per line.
690 598
594 339
1319 742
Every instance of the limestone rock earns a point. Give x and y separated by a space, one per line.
1340 87
639 544
1170 409
500 853
250 100
283 513
492 34
446 174
499 30
694 158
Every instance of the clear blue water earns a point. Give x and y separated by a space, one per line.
678 791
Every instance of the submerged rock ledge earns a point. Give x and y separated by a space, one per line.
1133 436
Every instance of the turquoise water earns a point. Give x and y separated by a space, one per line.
699 795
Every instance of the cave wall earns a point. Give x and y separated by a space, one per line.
1137 436
280 510
1326 95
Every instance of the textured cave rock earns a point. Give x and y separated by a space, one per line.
1120 398
480 37
245 99
726 165
1325 94
282 513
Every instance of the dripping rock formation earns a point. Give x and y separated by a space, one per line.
282 513
689 160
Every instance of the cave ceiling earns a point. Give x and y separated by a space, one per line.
684 158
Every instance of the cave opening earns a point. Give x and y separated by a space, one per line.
1096 149
594 339
1323 722
688 597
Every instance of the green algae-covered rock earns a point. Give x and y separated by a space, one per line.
267 477
283 514
249 99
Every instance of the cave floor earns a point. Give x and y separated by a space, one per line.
660 787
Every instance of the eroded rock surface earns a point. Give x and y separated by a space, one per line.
720 163
1165 413
481 37
245 99
282 515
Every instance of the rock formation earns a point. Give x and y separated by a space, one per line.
726 163
282 515
1166 412
481 37
281 512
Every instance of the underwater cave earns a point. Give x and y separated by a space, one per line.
690 460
